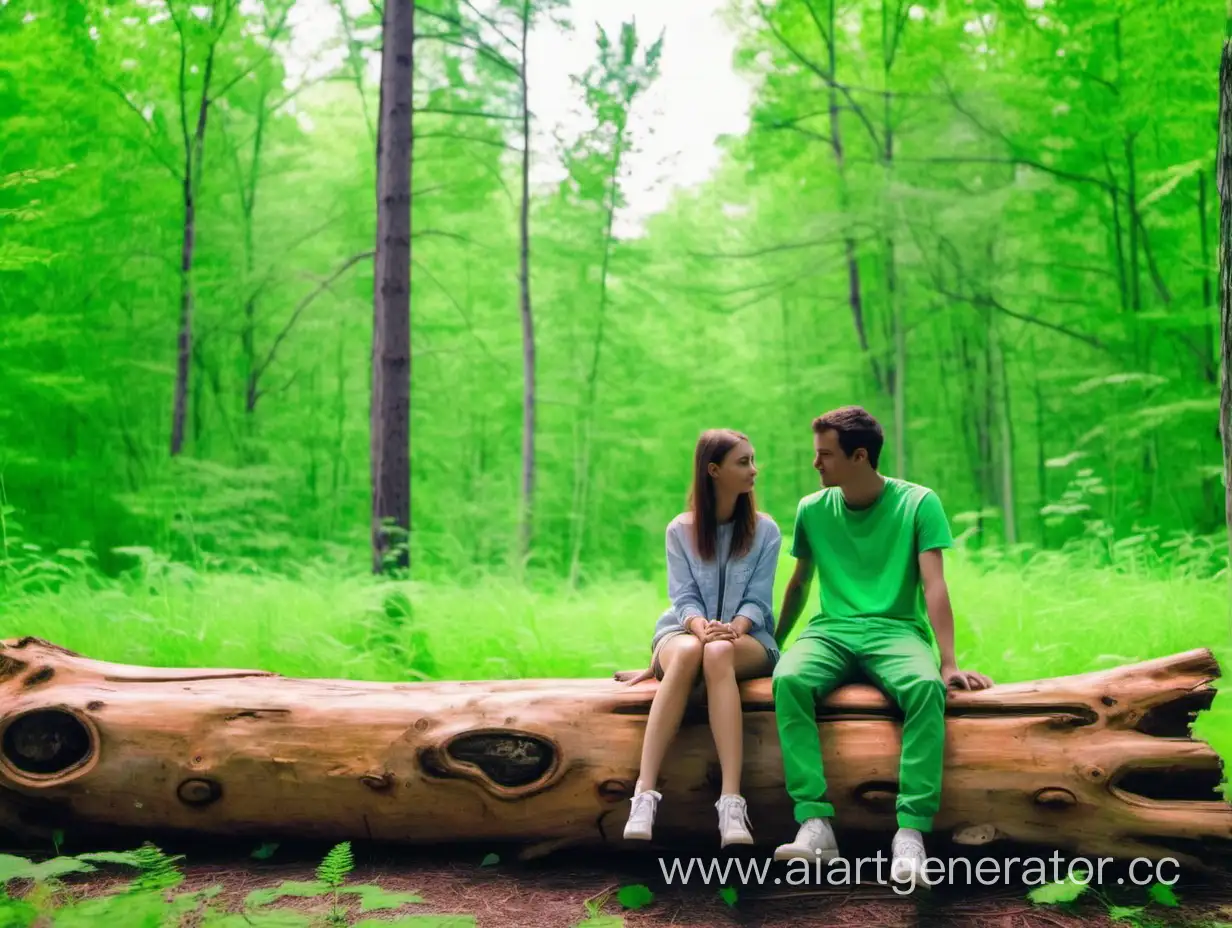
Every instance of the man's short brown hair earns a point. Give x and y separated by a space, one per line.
856 428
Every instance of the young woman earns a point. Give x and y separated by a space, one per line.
721 559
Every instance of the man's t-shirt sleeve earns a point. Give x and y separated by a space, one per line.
932 528
800 543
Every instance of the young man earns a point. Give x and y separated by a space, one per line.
874 541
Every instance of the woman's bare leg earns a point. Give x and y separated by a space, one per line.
681 659
724 663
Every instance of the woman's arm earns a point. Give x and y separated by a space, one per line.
682 588
757 606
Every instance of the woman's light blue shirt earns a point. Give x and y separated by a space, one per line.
748 584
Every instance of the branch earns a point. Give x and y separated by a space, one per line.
272 36
792 125
771 249
481 49
1160 286
479 114
1015 159
821 73
183 89
495 28
1023 162
497 143
303 305
992 303
438 232
164 161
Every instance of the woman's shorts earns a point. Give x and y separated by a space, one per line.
658 668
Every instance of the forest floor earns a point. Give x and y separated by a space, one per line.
571 888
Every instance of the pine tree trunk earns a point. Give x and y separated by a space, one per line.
1095 764
1224 181
391 337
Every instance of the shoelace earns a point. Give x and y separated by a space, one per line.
908 847
643 805
729 811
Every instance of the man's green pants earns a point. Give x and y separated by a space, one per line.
899 659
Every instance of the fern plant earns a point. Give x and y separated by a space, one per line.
332 872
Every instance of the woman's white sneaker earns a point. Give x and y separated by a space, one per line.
734 821
814 841
641 817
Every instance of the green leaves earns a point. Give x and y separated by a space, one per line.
18 868
144 902
1062 891
337 864
635 896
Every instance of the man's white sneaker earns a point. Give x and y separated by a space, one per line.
734 821
908 859
814 841
642 815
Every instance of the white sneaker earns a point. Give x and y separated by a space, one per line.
814 841
909 857
642 815
734 821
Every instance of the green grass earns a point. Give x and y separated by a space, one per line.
1016 619
1013 621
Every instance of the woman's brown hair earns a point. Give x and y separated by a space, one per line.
712 446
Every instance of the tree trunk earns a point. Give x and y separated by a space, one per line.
1224 181
1005 429
194 158
1095 764
582 460
528 328
391 336
183 338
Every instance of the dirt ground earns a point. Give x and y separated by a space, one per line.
552 892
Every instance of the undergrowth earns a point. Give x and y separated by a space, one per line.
36 894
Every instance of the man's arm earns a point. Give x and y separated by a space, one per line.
794 597
941 616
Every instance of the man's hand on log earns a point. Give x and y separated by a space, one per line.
964 679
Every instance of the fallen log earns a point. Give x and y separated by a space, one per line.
1095 764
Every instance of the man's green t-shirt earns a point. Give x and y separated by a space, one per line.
867 559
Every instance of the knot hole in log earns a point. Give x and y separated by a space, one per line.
877 795
46 744
506 759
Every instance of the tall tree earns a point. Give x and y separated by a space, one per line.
390 423
1225 267
528 323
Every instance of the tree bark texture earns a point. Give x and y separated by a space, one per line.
1094 764
390 424
1224 180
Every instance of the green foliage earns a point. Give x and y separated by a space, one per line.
1163 894
595 917
636 896
1059 892
1011 197
146 902
265 850
337 864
